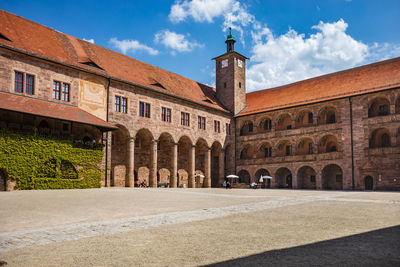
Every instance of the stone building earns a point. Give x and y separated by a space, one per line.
337 131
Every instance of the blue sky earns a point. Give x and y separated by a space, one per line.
286 41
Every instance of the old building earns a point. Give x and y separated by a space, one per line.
337 131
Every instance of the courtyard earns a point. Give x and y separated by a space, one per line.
191 227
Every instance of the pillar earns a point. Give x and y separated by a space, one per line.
192 163
221 172
130 178
153 163
207 168
318 181
174 178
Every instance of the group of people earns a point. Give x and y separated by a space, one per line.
141 184
227 184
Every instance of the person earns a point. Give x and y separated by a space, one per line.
225 185
228 185
137 183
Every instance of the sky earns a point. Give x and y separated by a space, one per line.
285 40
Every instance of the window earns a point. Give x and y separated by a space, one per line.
30 84
228 129
250 127
224 63
224 85
166 114
240 85
56 90
185 119
331 118
202 122
267 125
65 127
288 150
124 106
217 126
385 139
118 103
65 92
19 82
144 109
267 152
310 118
383 110
310 148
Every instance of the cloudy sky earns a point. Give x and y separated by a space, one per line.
286 41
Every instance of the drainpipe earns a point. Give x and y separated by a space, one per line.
106 168
234 162
352 144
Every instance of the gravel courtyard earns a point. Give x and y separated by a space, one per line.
192 227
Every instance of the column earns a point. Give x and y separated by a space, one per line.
207 168
153 163
318 181
192 163
174 178
130 178
221 172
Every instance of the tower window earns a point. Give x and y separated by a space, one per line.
240 85
224 85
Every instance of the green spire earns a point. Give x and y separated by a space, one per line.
230 36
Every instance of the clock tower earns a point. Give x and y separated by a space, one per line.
231 77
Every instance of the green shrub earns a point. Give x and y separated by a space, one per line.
40 162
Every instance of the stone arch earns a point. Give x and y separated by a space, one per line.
247 152
283 178
164 156
306 178
264 150
328 143
265 124
332 177
380 138
304 118
305 146
3 180
263 172
119 155
44 127
200 152
216 175
163 176
143 148
244 177
246 128
184 149
327 115
284 122
378 106
284 148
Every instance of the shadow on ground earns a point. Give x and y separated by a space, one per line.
375 248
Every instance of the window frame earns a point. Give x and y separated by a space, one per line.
117 103
124 105
29 87
57 90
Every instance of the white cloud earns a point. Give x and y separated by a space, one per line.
89 40
175 41
133 46
233 12
199 10
292 56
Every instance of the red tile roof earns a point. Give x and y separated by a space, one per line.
365 79
36 39
53 110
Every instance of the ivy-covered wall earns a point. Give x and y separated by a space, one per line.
41 162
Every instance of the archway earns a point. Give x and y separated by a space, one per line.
247 128
305 147
216 176
284 122
327 144
284 148
143 150
332 177
184 147
266 182
379 106
327 115
305 118
201 149
368 183
164 158
380 138
306 177
244 177
3 180
283 178
265 125
247 152
265 150
119 160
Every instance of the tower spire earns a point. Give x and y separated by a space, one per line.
230 42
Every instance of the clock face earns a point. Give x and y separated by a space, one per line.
224 63
240 63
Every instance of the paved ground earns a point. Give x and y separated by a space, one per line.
168 227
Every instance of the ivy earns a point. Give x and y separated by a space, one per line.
41 162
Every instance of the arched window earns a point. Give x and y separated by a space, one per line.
379 107
267 125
